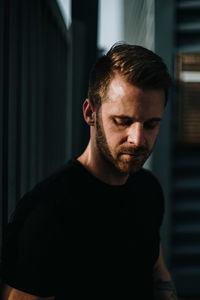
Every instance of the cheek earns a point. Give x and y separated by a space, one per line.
114 137
151 138
112 134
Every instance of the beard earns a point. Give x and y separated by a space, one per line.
125 159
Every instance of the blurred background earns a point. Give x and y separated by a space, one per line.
47 49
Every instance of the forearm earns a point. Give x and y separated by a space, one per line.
164 290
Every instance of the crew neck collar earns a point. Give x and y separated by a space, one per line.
95 179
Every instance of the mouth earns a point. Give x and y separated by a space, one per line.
130 155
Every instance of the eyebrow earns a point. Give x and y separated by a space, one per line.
124 117
154 120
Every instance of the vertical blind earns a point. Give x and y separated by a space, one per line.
185 257
43 81
34 96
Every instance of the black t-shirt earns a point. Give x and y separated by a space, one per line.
74 235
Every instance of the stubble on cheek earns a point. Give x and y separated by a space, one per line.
101 141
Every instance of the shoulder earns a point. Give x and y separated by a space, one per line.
48 195
34 232
40 214
58 183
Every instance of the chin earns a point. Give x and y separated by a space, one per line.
127 167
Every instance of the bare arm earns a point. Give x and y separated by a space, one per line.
9 293
164 288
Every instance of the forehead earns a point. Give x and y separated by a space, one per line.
125 98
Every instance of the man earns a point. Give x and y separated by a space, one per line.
92 229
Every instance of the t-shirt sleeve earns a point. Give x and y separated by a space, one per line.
29 249
156 212
152 200
158 205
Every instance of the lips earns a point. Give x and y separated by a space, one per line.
134 154
140 155
130 154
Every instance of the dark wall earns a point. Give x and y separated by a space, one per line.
33 96
84 35
43 83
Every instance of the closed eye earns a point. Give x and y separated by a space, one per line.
151 124
122 121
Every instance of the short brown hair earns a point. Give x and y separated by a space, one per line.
136 64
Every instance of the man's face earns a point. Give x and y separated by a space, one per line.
127 125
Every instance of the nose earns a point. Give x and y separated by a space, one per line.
136 135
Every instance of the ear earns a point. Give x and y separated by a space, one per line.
89 112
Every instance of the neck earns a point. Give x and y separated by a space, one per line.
95 164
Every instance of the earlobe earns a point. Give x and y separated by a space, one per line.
89 112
